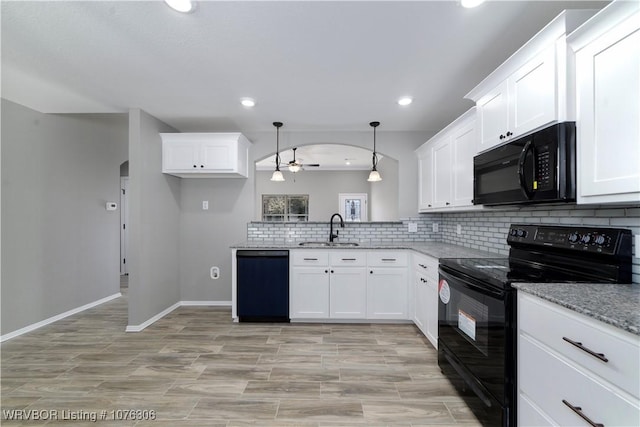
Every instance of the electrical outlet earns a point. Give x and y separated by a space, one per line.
458 229
205 205
413 227
434 227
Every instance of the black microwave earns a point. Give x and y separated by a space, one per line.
537 168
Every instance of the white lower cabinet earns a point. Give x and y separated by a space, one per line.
309 293
572 368
425 296
348 284
387 293
347 293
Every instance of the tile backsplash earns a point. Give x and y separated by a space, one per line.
483 229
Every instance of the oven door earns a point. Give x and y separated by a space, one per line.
476 334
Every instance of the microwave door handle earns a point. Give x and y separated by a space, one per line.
522 179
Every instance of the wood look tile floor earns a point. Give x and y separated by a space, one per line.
195 367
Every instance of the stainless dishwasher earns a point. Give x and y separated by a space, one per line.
263 285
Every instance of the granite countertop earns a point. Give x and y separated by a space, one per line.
433 249
615 304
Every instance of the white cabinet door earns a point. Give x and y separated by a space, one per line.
309 293
442 173
493 117
181 156
425 181
387 293
431 310
420 302
463 142
218 155
532 94
348 292
608 92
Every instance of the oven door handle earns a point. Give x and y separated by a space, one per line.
521 178
467 282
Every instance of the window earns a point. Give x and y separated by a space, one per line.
285 207
353 206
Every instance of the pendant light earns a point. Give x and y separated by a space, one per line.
277 175
374 175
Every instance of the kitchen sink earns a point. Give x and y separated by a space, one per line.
330 244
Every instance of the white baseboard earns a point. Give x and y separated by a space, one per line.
57 317
206 303
140 327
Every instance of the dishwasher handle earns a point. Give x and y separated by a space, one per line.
262 253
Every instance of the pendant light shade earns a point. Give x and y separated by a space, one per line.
277 175
374 175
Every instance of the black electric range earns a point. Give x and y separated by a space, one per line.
477 306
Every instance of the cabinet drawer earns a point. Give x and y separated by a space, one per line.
557 381
387 259
426 265
353 258
554 325
309 258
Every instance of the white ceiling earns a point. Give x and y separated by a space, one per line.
315 65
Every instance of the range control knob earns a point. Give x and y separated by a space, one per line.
522 233
574 238
586 239
513 232
600 240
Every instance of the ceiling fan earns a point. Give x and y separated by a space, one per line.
294 166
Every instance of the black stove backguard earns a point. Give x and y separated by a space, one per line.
477 348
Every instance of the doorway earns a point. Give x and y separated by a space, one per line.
124 219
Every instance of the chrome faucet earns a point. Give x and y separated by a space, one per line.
331 235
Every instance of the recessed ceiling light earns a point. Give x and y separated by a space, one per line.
184 6
471 3
405 100
248 102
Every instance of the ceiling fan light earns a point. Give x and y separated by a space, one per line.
277 176
374 176
184 6
294 168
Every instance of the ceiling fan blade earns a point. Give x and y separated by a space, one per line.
312 165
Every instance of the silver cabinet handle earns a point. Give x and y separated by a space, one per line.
348 259
578 410
311 259
586 350
388 259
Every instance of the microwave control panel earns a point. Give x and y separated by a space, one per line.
545 177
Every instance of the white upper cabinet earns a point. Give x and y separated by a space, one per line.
425 182
445 165
531 89
205 155
607 50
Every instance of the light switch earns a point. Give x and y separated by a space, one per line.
435 227
458 229
205 205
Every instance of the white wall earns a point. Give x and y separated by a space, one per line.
154 219
61 248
